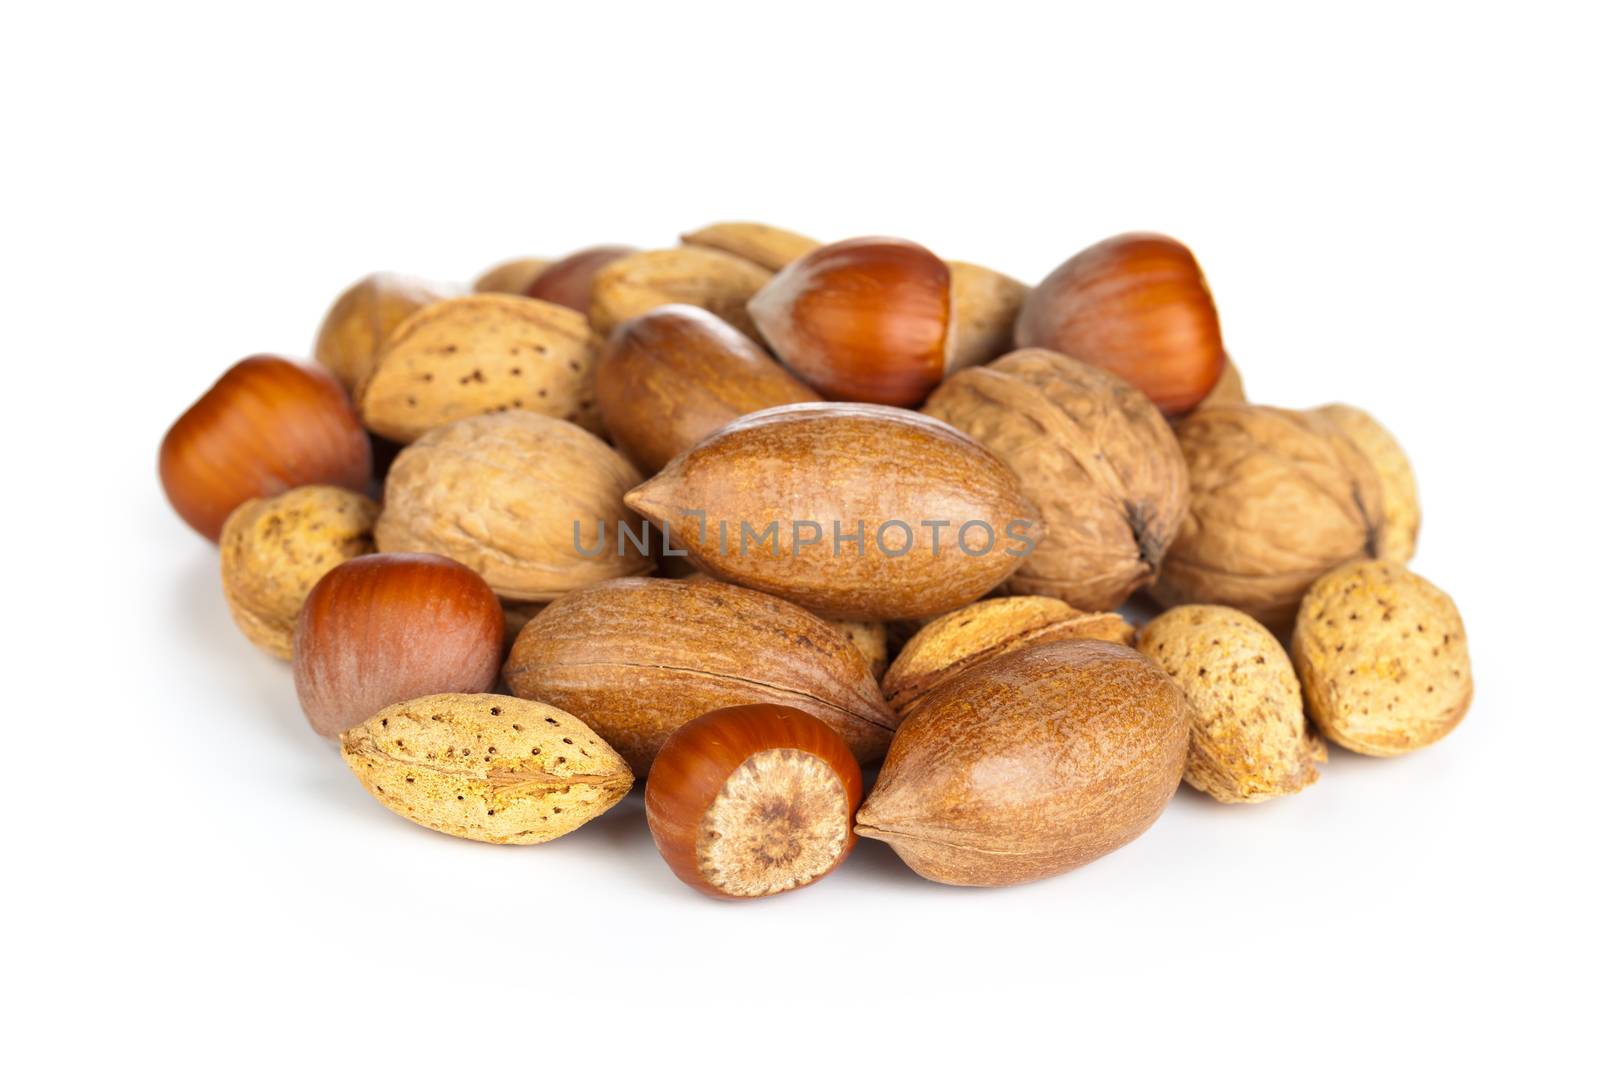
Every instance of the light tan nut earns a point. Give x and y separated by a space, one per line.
765 246
1402 515
979 632
1092 453
1276 499
704 277
274 550
486 767
1382 655
1229 388
478 354
987 303
512 277
501 493
871 640
355 328
1249 739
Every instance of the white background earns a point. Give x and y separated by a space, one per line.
1395 205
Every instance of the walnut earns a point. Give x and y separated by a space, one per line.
1096 458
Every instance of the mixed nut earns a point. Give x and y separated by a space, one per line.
741 516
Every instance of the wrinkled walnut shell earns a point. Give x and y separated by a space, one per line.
500 493
1277 498
274 550
1092 453
1249 739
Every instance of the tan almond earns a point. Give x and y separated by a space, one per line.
274 550
1382 654
979 632
637 658
1249 740
765 246
479 354
486 767
704 277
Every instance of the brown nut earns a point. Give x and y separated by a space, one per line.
1277 498
704 277
511 277
511 496
1249 740
479 354
979 632
792 484
986 307
1382 655
637 658
1402 515
569 281
1031 764
765 246
1138 306
1092 453
274 550
673 376
485 767
355 328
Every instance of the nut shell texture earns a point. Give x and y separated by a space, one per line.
863 468
363 318
512 277
1277 499
753 800
479 354
500 493
716 281
1382 655
265 426
485 767
765 246
273 551
1402 516
637 658
1030 765
1092 453
980 632
671 377
986 307
1249 738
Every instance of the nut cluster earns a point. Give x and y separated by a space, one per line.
739 516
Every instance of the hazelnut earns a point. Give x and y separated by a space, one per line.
1382 655
1031 764
1137 306
867 320
674 375
273 551
267 425
1095 457
753 800
355 328
388 627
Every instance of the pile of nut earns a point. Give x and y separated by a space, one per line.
896 504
